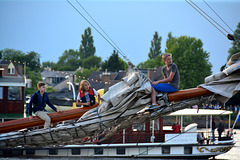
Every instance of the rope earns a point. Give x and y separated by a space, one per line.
218 15
209 16
99 27
99 117
119 50
206 18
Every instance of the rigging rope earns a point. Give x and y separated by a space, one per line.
218 16
205 17
198 9
100 27
112 43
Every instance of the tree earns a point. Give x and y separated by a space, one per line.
35 76
13 55
87 48
69 61
155 49
114 63
48 64
192 61
169 37
235 47
92 61
33 60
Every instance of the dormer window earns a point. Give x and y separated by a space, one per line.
11 70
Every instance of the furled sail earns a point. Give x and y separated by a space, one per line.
124 104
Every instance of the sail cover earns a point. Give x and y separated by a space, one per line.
225 84
121 106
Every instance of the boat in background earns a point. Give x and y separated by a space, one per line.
149 140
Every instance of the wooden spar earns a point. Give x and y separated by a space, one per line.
36 121
188 94
77 113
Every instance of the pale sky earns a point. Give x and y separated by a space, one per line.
51 27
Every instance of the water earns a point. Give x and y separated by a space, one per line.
233 154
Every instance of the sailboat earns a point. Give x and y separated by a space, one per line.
98 129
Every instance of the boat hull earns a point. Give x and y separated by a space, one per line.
140 150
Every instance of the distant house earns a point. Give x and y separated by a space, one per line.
12 85
104 80
57 79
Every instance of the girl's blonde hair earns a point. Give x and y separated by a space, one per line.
81 87
165 55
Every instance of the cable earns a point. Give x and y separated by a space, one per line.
100 28
218 16
124 56
209 16
206 18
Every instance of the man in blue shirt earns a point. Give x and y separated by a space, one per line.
39 101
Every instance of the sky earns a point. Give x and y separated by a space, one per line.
49 27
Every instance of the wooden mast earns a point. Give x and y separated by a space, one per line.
36 121
77 113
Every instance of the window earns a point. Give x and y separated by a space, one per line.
138 127
76 151
30 152
166 150
120 150
187 150
11 70
14 93
1 92
53 151
98 151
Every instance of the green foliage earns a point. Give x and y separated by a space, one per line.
50 89
30 91
84 74
91 61
235 47
35 77
169 37
87 48
151 63
48 64
69 61
13 55
114 63
33 60
155 49
192 61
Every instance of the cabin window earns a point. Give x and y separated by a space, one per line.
166 150
1 92
53 151
30 152
76 151
121 150
138 127
98 151
14 93
187 150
